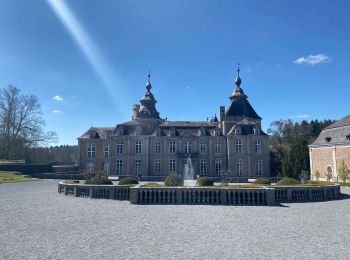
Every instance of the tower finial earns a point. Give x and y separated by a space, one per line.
238 80
148 84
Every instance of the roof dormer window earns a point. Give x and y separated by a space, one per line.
328 139
256 131
348 137
138 131
172 132
120 131
237 131
158 132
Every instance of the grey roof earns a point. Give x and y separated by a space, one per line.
337 133
345 121
97 132
189 124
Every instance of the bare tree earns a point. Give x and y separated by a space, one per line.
21 123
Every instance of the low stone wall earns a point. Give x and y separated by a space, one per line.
264 196
197 195
114 192
306 193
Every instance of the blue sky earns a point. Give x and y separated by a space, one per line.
87 61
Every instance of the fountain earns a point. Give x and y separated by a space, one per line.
189 173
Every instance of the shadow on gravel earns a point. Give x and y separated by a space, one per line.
344 196
282 205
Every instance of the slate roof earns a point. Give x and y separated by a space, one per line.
345 121
337 133
241 107
188 124
97 132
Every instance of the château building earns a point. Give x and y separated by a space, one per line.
151 148
331 148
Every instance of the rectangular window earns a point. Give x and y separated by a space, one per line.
157 148
138 148
119 170
218 167
218 147
137 167
239 167
106 150
238 147
91 151
188 148
172 147
259 167
257 147
203 147
120 147
105 167
203 167
157 167
172 166
90 167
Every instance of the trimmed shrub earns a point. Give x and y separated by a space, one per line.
174 180
128 181
98 179
71 181
262 181
288 181
152 184
205 181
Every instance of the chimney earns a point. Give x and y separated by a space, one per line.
222 113
135 111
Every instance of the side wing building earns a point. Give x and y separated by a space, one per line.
331 148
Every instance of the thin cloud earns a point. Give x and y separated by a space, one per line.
58 98
313 59
301 116
56 111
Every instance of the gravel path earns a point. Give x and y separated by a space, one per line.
38 223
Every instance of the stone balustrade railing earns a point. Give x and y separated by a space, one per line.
205 195
264 196
115 192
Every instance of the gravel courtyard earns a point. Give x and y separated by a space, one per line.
38 223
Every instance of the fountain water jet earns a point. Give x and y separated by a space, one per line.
189 173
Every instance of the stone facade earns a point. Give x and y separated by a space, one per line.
151 148
331 147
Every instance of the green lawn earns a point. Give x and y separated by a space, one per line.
8 177
11 161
